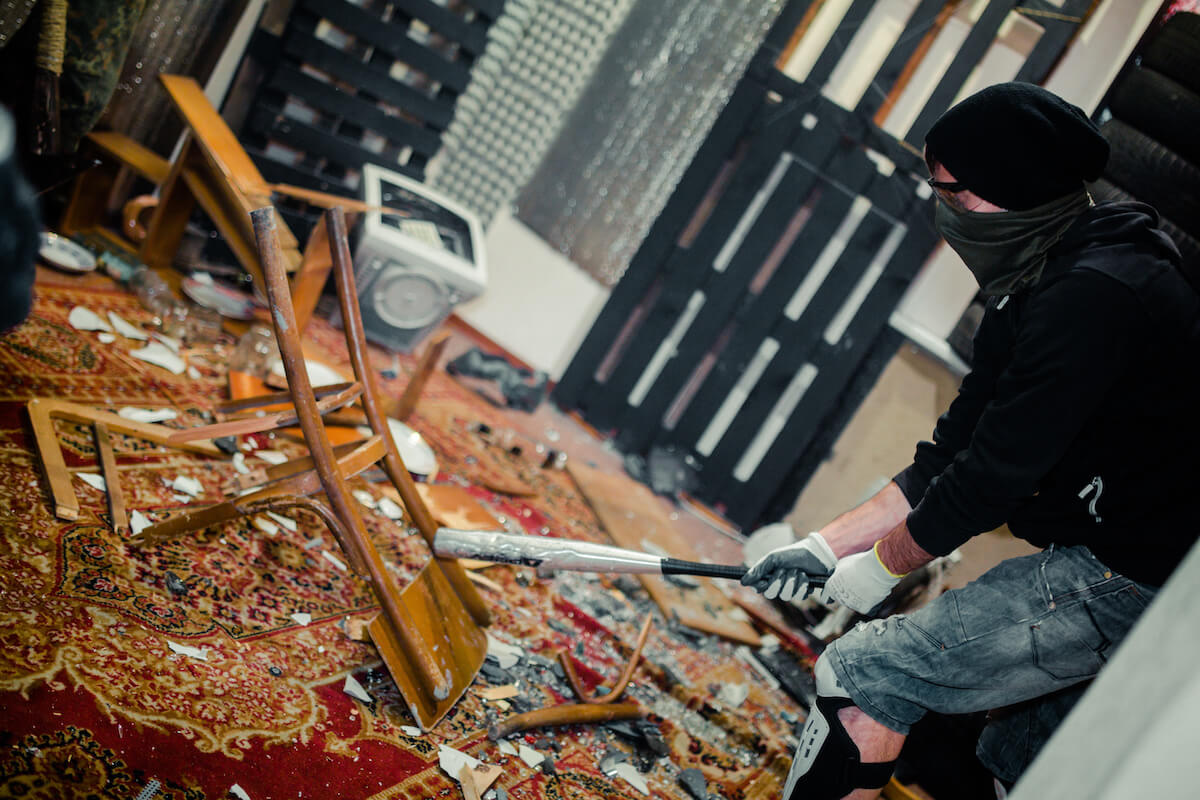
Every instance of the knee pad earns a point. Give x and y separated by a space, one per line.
827 764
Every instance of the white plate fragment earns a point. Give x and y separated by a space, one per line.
183 483
628 773
452 761
410 731
503 654
390 509
193 373
266 526
302 618
198 653
83 319
530 756
271 456
507 747
172 343
239 463
93 480
147 414
126 329
138 522
355 689
290 524
160 356
238 792
332 559
733 694
106 338
364 497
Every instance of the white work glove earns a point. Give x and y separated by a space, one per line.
860 582
784 572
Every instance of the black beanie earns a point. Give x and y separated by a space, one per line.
1017 145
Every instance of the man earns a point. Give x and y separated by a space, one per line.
1077 426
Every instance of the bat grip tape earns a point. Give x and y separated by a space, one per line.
675 566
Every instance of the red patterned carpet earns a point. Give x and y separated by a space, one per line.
95 704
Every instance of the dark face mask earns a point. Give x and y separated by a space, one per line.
1006 250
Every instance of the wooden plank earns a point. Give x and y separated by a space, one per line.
1060 26
329 98
688 270
577 379
316 141
436 112
470 35
391 38
632 514
279 172
838 367
140 159
922 27
724 292
756 320
973 49
802 338
851 21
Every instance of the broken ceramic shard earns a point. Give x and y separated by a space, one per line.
529 755
301 618
125 329
364 497
198 653
171 343
332 559
629 774
138 522
93 480
105 338
505 655
733 694
507 747
355 689
271 456
410 731
266 526
290 524
183 483
239 463
160 356
147 414
238 792
452 760
83 319
390 509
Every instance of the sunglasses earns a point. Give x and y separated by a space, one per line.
947 192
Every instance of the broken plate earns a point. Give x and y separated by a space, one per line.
416 453
318 373
61 252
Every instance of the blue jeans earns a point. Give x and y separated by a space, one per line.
1022 641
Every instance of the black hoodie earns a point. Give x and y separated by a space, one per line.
1079 422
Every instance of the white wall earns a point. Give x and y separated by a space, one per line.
538 305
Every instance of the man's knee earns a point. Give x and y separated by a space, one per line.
827 763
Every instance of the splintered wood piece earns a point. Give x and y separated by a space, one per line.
453 506
42 413
352 459
112 481
407 403
266 422
631 514
567 714
240 403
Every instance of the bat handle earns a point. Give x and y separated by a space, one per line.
674 566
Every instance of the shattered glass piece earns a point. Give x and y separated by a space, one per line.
176 586
506 655
610 759
692 780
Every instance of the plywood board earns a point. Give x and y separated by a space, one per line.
632 514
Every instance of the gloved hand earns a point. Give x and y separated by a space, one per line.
860 582
784 571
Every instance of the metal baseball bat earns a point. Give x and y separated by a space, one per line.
548 553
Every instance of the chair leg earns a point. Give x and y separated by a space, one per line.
434 680
356 341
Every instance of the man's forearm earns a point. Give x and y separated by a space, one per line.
859 528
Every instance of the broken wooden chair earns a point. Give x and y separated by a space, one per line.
428 634
42 413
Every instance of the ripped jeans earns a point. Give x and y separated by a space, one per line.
1022 641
